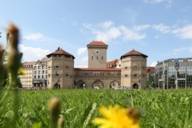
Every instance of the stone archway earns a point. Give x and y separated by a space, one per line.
114 84
97 84
56 85
135 86
81 84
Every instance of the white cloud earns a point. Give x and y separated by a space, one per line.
32 53
34 37
130 34
167 3
39 37
184 32
153 64
108 31
162 28
81 62
81 57
81 51
158 27
182 49
109 34
142 27
106 24
158 1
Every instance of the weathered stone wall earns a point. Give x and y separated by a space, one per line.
133 71
97 79
60 72
97 57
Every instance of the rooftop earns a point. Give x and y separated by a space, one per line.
28 64
150 69
133 53
95 43
60 51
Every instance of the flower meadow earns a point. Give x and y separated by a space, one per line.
79 108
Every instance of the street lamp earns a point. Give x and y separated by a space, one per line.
177 65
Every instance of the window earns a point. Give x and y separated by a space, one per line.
126 75
135 75
38 77
97 57
56 74
102 57
92 57
67 67
66 75
126 67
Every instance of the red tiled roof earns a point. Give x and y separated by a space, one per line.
99 69
28 64
150 69
97 44
133 53
60 51
112 61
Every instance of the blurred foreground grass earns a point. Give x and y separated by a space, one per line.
159 109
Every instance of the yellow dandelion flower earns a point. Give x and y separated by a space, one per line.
117 117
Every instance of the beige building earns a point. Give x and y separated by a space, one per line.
60 66
27 77
133 65
97 78
114 63
57 70
128 71
40 73
97 54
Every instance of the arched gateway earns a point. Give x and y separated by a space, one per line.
135 86
114 84
97 84
81 84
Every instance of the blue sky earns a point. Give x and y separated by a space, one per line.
161 29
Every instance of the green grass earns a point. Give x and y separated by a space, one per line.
159 109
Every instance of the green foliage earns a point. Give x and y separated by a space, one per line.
159 108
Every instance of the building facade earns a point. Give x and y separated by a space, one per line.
128 71
97 54
40 73
60 69
133 65
27 76
174 73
